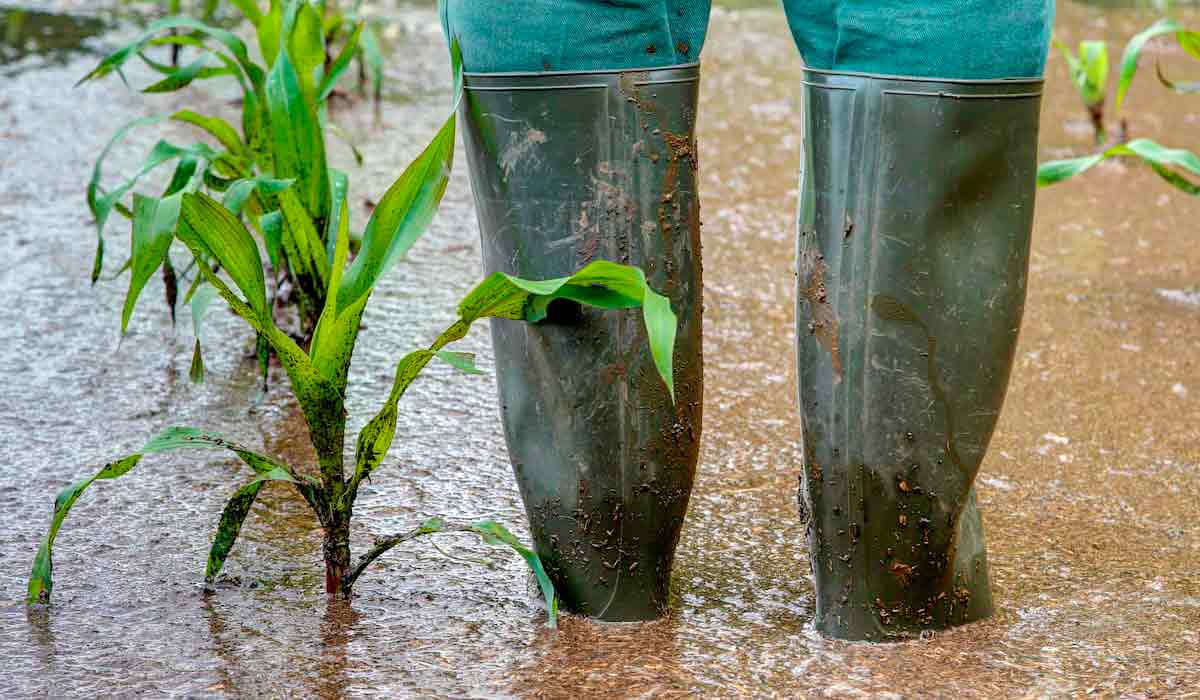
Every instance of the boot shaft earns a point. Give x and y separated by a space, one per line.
912 255
567 168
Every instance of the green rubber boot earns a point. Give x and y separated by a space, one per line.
914 229
567 168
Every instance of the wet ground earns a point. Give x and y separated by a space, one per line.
1090 493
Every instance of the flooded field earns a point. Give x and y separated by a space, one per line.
1090 492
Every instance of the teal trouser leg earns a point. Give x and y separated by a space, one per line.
930 38
576 35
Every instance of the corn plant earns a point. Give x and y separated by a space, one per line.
340 25
1175 165
276 163
227 257
1088 68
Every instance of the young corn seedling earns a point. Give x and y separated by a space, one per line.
1175 165
1088 68
277 159
228 259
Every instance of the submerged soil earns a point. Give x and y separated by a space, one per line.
1090 493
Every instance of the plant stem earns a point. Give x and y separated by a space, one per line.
337 555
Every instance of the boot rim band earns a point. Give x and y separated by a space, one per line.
565 73
1016 80
1012 88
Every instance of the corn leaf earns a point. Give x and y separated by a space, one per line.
230 525
297 139
1190 41
115 60
41 582
201 298
153 230
213 231
1167 162
219 129
601 284
372 56
339 65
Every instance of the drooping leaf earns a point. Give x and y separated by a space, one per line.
491 532
1165 161
601 284
219 129
181 77
375 439
1181 87
41 582
495 534
1133 50
99 205
230 525
115 60
153 230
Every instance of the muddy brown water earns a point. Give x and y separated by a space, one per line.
1090 493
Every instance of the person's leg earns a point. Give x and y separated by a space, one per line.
917 207
594 158
500 36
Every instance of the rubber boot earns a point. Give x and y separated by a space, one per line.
916 213
567 168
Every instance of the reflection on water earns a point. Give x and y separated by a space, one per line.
30 38
1091 491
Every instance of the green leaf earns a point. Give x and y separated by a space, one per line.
271 224
375 439
115 60
339 65
249 9
230 525
1165 161
101 206
1094 79
240 190
372 55
302 244
1133 51
601 284
402 215
495 534
219 129
1182 88
464 361
202 297
298 143
306 48
270 27
181 77
153 230
212 230
41 582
